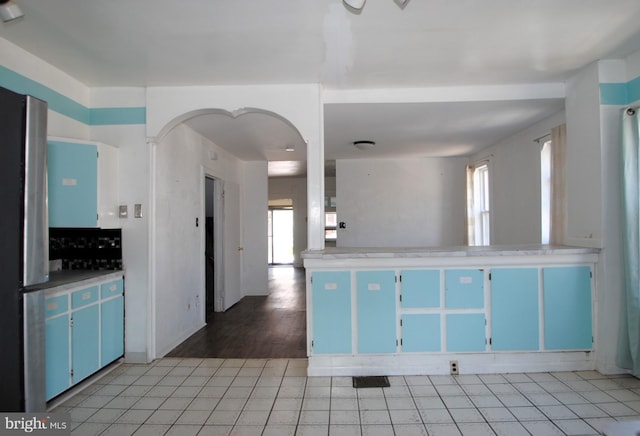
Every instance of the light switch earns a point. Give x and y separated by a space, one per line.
123 211
137 211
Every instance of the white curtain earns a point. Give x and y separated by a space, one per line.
558 184
629 339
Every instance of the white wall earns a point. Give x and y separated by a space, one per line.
401 202
584 178
134 156
299 104
255 279
180 165
515 184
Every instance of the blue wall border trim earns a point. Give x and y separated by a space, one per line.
620 93
64 105
117 116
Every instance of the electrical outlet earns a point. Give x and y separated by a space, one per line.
453 367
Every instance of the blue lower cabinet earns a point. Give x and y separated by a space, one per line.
420 288
57 371
376 312
111 330
421 332
514 309
567 308
466 332
331 313
464 289
85 342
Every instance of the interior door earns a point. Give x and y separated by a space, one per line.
232 245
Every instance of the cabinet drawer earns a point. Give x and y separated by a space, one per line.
84 296
112 289
56 305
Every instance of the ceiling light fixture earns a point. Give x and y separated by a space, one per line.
9 11
401 3
357 5
364 145
354 4
289 148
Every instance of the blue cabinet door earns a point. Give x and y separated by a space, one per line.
420 288
421 332
466 332
464 288
85 342
514 309
57 369
331 312
72 171
376 311
567 308
111 330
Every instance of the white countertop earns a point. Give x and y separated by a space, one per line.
459 251
62 281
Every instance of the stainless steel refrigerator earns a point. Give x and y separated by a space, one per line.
24 251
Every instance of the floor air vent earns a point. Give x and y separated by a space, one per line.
376 381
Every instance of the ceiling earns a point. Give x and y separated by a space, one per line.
428 44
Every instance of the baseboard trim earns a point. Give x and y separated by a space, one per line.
439 364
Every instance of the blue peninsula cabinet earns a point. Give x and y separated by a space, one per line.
567 308
376 311
465 313
331 299
84 331
514 309
441 311
420 323
82 184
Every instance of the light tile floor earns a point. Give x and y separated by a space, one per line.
274 397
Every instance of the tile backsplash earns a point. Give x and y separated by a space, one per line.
89 249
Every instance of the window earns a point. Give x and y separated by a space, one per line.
545 192
280 235
478 213
330 225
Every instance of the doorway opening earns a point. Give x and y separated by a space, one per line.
213 245
280 234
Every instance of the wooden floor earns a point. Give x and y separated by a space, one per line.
257 327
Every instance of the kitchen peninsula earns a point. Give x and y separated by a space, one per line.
394 311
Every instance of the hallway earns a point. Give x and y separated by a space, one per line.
273 326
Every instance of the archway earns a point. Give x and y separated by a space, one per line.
200 144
